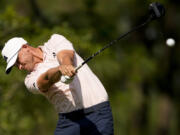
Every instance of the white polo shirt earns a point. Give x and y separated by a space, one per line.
84 91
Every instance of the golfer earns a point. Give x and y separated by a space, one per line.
82 105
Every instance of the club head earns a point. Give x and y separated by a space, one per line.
156 10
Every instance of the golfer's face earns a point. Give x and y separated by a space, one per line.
25 60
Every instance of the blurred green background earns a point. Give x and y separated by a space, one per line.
141 73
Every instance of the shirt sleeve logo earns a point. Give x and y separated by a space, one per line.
54 54
34 85
5 58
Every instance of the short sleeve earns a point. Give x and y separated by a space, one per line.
59 43
31 83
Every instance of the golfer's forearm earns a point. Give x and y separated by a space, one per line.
66 57
47 79
67 60
53 75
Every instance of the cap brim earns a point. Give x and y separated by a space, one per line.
11 64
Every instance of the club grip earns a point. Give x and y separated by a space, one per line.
66 79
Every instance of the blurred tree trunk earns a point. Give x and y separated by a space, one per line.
165 116
37 13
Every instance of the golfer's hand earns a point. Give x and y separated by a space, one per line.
67 70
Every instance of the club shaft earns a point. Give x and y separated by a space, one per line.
113 42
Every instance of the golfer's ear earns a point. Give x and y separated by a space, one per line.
25 46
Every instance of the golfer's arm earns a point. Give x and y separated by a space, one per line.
47 79
66 57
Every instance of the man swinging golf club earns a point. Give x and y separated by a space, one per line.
82 105
82 102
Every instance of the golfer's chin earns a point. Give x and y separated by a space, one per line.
29 69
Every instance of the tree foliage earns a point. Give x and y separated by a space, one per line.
140 73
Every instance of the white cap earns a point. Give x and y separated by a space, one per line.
10 51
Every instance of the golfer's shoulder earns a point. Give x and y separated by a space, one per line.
57 42
30 76
29 80
57 37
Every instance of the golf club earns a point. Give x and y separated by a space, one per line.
156 10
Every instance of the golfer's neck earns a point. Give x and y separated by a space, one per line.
38 55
